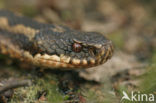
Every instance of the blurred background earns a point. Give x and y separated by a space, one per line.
130 24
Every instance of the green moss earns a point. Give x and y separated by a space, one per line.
153 60
149 81
53 94
31 94
92 97
148 84
118 39
66 15
120 93
100 97
2 56
30 11
101 94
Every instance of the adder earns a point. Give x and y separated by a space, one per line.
52 46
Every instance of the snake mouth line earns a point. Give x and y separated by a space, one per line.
59 62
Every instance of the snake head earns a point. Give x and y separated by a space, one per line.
71 49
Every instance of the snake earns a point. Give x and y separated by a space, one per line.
51 45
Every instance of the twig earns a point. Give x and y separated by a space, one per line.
11 84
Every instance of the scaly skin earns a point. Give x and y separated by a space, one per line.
49 45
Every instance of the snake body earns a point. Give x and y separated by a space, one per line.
49 45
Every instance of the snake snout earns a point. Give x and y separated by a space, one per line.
104 53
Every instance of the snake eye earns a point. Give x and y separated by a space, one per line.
77 47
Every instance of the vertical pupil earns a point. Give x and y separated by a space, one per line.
77 47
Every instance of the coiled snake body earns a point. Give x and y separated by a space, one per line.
52 46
